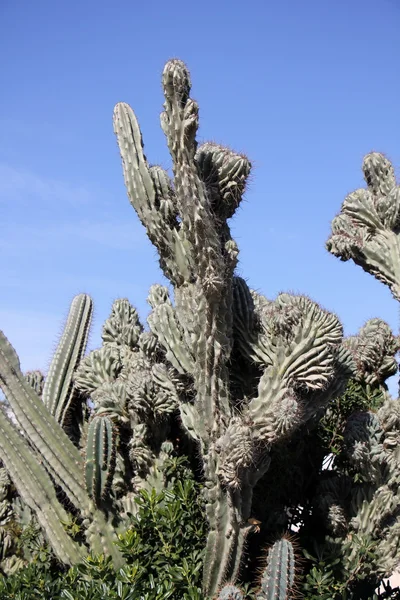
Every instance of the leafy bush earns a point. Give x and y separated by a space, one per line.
163 548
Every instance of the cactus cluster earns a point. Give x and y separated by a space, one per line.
243 378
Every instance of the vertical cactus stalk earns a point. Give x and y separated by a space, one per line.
36 488
62 458
100 457
59 392
278 577
58 454
294 344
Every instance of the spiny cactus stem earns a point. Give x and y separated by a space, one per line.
58 390
36 489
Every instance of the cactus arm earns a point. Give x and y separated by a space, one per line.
278 577
100 457
367 228
36 489
149 191
42 430
58 392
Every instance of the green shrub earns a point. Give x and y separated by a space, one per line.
163 549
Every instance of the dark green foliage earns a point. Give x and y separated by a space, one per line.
163 549
357 397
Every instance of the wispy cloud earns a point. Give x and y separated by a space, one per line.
22 184
117 235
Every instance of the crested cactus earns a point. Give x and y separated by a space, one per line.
368 225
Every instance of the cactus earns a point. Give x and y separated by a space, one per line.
100 457
367 228
216 320
55 459
36 380
59 394
278 577
246 378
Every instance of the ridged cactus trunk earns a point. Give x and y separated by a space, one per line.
37 452
199 257
254 370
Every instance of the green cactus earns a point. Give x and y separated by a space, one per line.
296 345
100 457
59 394
277 581
245 380
51 458
367 228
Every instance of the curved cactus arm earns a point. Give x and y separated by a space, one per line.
279 574
41 428
367 230
58 392
36 489
299 342
150 193
164 324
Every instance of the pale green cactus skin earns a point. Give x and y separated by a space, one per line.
243 374
367 231
278 577
129 385
59 393
55 456
100 457
368 226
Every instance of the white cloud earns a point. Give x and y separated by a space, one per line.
118 235
22 184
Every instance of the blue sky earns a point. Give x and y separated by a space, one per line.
305 89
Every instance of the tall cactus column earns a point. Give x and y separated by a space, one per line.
294 346
199 257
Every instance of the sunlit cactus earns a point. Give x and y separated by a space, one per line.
245 380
